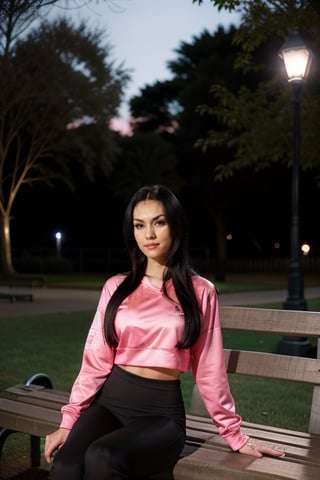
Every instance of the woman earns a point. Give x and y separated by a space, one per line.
126 416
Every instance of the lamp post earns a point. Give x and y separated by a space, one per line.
58 236
297 59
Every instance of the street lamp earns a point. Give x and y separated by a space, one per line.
58 236
297 60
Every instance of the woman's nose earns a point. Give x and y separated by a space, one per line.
150 233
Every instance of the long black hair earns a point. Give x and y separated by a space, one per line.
178 264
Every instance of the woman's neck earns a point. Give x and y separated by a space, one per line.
155 268
156 273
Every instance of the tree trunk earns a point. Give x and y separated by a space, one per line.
5 245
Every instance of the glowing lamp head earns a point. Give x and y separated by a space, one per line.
297 58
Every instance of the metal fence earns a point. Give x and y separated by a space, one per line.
111 260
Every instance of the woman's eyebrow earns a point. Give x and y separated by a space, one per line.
154 218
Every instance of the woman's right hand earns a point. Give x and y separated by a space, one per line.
54 441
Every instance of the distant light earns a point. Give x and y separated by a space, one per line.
305 248
276 245
229 236
58 236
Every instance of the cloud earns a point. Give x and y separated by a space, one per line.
121 125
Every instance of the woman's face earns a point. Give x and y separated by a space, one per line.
151 230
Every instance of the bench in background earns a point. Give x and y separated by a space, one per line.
21 280
16 297
34 408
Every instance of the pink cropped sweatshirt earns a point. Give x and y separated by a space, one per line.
148 326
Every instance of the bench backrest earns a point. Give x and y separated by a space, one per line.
271 365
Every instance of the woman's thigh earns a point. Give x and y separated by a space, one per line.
142 447
94 423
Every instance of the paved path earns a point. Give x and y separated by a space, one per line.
59 300
49 300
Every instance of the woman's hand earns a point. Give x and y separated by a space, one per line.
259 449
54 441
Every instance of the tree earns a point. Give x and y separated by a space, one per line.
144 158
17 16
58 93
252 117
171 106
155 109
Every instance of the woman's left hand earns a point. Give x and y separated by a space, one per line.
257 449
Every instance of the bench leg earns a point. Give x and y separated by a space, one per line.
43 380
35 450
4 434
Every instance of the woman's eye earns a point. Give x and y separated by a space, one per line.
138 226
160 223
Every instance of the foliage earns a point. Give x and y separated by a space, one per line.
209 58
264 19
43 117
59 90
147 116
258 123
172 103
145 158
17 16
252 121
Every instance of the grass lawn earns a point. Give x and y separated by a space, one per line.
48 343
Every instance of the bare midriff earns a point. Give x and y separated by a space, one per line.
156 373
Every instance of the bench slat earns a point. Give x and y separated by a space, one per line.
28 418
42 396
270 321
36 402
271 365
294 443
22 389
199 465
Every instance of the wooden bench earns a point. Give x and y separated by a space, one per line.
35 409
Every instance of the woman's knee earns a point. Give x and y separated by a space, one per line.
102 462
61 470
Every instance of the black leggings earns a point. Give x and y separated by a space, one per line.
134 429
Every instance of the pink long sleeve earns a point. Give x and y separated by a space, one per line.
96 364
208 366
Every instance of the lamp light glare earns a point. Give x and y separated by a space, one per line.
296 63
296 57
